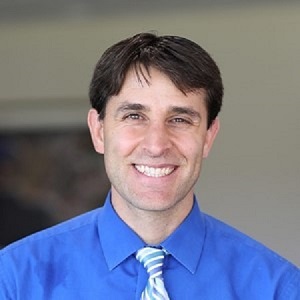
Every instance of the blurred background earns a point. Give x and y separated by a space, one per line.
49 171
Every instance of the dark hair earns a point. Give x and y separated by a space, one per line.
187 65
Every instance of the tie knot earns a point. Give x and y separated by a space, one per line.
152 259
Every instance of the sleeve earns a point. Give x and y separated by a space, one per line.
5 287
291 289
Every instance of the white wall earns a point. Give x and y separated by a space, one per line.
251 179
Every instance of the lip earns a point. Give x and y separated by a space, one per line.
151 171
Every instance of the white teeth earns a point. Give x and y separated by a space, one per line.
154 172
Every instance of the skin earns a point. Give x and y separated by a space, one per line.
154 139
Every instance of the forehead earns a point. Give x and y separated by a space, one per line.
154 86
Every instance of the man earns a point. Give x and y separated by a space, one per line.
155 105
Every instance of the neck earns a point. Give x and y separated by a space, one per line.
153 227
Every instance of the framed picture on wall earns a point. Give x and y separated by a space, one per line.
47 174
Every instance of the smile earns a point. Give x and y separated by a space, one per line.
154 172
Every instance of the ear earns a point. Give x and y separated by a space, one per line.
96 130
211 134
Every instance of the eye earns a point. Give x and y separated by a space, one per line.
178 120
133 116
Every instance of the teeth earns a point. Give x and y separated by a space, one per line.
154 172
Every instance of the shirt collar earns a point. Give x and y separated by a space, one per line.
119 241
185 244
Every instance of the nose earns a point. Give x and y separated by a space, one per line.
156 141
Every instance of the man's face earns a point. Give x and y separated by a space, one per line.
154 139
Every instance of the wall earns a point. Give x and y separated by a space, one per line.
251 179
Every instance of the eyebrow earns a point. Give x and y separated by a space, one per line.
126 106
186 111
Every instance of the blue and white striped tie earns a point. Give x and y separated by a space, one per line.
152 259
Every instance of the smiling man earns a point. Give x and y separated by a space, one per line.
155 104
155 136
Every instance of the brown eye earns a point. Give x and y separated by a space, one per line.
180 120
133 116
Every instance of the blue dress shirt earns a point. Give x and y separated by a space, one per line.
92 257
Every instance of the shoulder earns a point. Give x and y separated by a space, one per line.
220 234
58 235
249 259
48 256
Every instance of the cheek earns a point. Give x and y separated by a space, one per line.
121 142
192 150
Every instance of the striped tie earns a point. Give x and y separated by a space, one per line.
152 259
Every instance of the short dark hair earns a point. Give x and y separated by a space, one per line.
187 65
